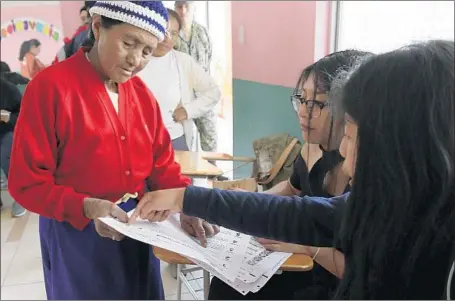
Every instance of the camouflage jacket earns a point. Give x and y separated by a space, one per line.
199 46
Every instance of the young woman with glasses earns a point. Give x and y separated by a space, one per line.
317 172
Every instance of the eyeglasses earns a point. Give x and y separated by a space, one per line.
314 107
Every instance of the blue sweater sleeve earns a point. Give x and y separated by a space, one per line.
301 220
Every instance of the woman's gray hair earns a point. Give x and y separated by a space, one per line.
339 81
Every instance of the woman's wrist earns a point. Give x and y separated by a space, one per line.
180 199
88 204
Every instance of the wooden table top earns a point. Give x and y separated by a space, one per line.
193 165
225 157
295 263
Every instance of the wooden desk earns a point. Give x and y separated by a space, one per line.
212 156
295 263
193 165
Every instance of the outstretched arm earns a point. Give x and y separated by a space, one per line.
303 220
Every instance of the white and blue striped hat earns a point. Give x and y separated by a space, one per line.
148 15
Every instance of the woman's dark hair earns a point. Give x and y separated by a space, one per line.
89 4
34 43
4 67
25 48
327 68
402 204
83 8
172 14
105 23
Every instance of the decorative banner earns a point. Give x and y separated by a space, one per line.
30 24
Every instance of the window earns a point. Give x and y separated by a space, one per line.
221 66
380 26
200 15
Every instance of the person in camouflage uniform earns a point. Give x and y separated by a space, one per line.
194 39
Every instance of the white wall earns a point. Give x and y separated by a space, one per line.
380 26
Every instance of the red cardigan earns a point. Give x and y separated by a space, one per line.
70 143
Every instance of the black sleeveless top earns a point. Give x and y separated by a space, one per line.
312 183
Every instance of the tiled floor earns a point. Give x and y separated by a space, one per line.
22 275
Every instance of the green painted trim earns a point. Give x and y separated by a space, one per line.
260 110
21 88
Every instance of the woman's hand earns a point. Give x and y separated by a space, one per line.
180 114
278 246
96 208
157 205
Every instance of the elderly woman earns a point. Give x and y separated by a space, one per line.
89 132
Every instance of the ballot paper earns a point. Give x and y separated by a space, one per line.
252 270
239 285
235 258
225 251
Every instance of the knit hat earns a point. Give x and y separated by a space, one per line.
148 15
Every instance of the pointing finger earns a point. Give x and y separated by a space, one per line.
138 212
200 232
133 218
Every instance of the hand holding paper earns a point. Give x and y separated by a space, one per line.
96 208
233 257
158 205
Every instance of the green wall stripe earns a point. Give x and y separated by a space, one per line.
260 110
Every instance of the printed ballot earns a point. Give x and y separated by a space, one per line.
234 257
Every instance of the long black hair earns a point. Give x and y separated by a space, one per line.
26 46
402 205
326 68
34 43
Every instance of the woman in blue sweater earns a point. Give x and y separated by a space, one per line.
395 230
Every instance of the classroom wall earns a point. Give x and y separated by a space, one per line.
70 16
272 41
47 21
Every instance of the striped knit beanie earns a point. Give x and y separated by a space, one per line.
148 15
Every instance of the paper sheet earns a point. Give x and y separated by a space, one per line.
225 251
235 258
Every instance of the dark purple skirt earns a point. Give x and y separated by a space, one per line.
81 265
